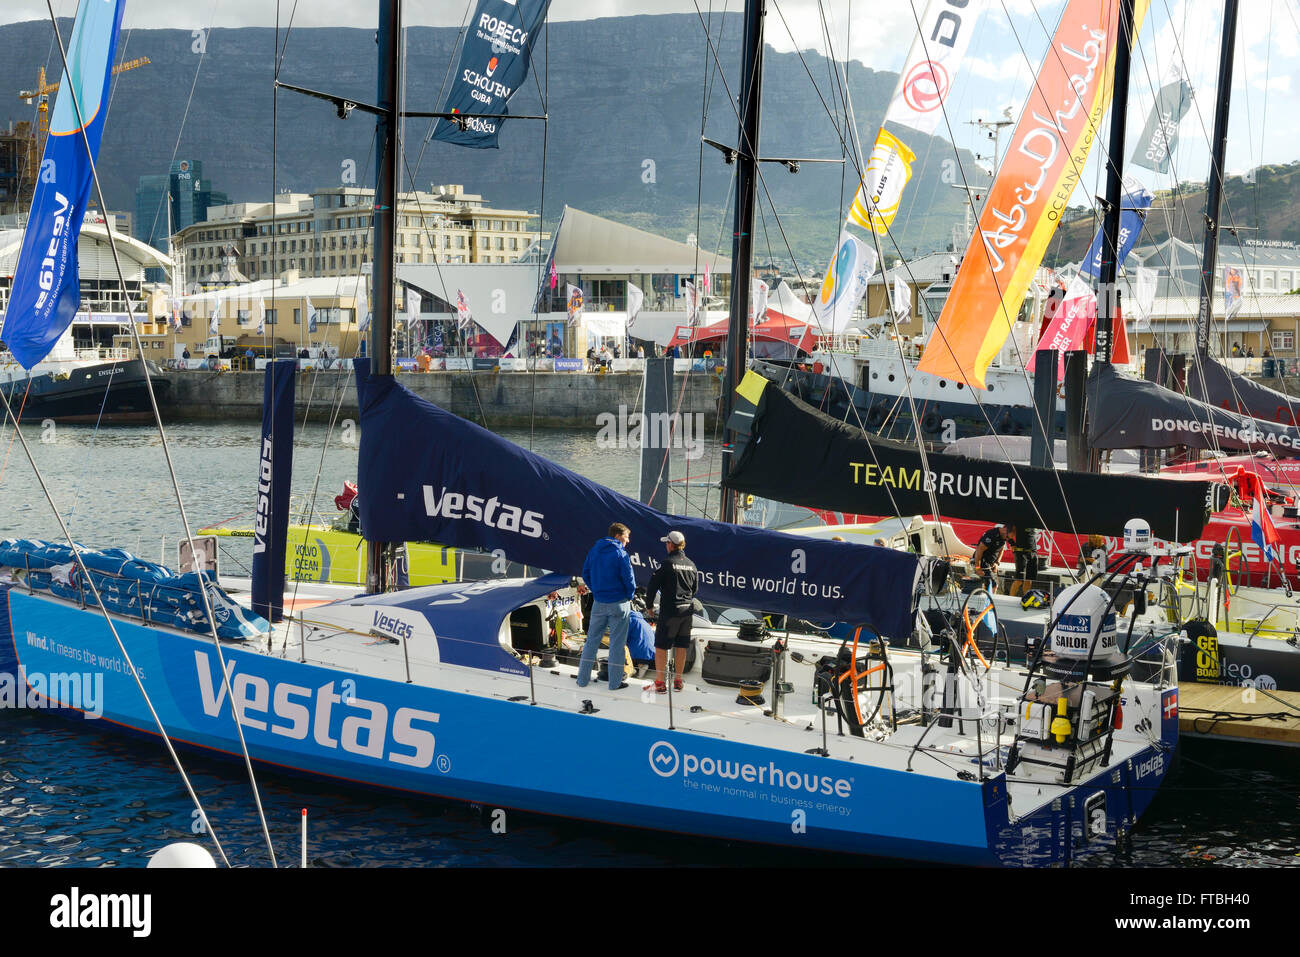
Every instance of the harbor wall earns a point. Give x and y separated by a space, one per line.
492 399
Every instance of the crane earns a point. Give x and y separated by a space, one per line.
43 91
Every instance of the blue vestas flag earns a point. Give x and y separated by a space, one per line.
1133 208
493 64
275 471
427 475
47 286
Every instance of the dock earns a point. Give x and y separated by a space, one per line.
1233 713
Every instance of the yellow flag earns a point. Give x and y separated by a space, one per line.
876 203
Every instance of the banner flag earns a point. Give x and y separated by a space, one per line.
1132 217
1155 147
845 283
757 300
575 303
46 289
1231 291
1046 156
901 297
1074 316
881 191
635 297
493 64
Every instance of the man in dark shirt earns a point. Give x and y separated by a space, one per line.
675 582
988 550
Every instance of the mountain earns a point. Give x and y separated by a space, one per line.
625 102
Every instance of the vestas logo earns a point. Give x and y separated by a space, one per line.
298 712
392 626
263 519
1152 765
840 276
665 762
490 512
45 277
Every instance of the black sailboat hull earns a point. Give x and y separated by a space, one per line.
107 392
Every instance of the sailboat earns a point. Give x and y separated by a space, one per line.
452 690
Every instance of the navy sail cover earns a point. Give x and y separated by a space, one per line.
426 474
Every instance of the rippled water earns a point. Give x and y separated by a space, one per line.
72 793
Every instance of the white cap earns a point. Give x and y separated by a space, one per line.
677 538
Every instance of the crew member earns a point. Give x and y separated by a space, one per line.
988 550
675 582
608 573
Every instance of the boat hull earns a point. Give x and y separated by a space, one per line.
106 392
417 739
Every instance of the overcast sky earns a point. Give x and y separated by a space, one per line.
1005 53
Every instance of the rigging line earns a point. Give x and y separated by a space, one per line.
203 52
974 393
153 402
281 48
426 139
126 656
543 280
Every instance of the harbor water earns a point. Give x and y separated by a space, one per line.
74 793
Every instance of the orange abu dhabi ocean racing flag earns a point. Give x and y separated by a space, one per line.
1043 163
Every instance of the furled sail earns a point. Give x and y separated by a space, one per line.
430 475
46 290
797 454
1042 166
1126 413
493 63
1210 381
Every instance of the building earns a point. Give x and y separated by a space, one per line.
1268 316
597 255
329 233
168 203
103 315
17 168
291 311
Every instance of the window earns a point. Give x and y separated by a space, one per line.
270 316
1284 341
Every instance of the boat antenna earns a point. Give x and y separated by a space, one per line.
742 244
1214 189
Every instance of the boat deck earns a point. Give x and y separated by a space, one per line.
1233 713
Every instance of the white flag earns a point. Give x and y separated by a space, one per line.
845 283
635 297
1144 295
214 318
363 305
901 298
930 72
311 317
692 303
412 306
757 300
259 309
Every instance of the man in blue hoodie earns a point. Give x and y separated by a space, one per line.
608 573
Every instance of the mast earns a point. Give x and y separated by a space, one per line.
743 237
385 226
1109 304
1214 189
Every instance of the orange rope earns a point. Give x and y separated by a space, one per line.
18 417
